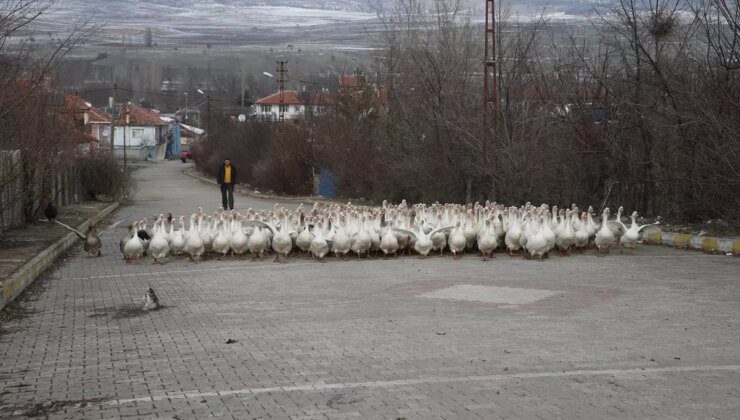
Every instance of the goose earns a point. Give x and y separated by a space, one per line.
631 234
319 247
92 243
144 234
604 237
548 233
616 225
205 236
281 242
134 248
131 231
511 239
341 244
222 241
194 243
582 234
469 231
177 246
303 241
257 242
158 246
457 240
238 243
536 242
423 241
487 240
567 236
363 240
389 241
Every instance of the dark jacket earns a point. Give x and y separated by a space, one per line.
222 172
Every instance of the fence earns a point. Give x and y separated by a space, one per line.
24 187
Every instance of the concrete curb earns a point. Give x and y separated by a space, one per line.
191 171
709 244
24 276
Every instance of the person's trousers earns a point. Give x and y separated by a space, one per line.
227 196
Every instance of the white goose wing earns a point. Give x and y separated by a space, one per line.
261 223
442 229
406 232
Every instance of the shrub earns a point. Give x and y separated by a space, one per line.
106 177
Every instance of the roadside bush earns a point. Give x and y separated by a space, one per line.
264 160
105 177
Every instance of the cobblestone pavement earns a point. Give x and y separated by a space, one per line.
656 334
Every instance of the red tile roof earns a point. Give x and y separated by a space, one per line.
138 116
98 116
290 97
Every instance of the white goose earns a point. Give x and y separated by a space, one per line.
222 241
303 241
604 237
177 246
363 240
257 242
158 247
487 240
513 233
194 246
319 247
631 234
457 240
423 241
133 249
238 242
536 242
389 241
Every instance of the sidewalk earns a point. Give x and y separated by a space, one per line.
26 253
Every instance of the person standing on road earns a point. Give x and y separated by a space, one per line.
227 179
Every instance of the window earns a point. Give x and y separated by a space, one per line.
137 133
284 108
266 109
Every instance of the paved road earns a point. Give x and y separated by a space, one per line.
656 334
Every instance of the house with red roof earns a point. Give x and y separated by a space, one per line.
92 124
141 132
294 105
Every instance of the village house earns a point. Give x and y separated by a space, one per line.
295 105
93 124
143 131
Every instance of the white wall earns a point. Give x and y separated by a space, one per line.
145 136
293 112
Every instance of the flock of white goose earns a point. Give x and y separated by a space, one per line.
386 230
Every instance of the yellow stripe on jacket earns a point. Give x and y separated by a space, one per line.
227 174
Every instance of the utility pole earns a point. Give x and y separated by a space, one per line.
490 95
208 100
125 126
282 71
112 107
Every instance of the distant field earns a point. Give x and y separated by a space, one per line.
209 23
315 24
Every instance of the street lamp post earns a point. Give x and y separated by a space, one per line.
186 108
125 126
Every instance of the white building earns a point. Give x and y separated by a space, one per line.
294 105
144 135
